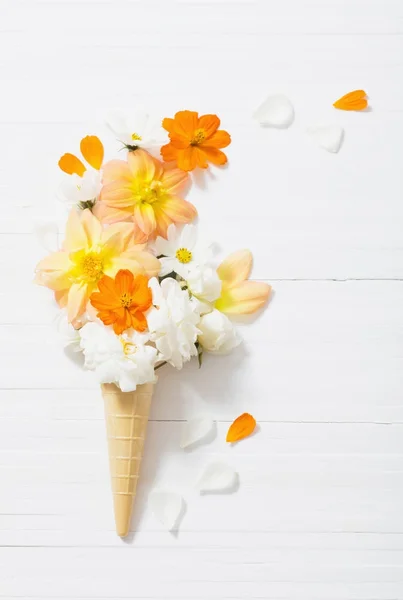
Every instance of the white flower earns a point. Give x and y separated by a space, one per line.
69 335
181 251
125 360
75 190
218 335
137 130
204 285
173 324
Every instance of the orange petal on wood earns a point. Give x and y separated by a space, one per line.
352 101
93 151
243 426
72 165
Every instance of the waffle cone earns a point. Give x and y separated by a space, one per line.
126 415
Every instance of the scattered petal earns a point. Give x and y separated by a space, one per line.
329 137
218 477
275 111
47 235
196 430
243 426
167 507
356 100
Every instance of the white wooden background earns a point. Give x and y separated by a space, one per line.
318 515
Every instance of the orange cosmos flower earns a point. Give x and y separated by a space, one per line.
195 141
93 152
122 301
145 192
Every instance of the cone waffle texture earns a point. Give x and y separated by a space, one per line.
126 416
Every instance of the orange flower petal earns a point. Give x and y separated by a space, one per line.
169 152
123 281
243 426
213 155
220 139
71 165
187 158
210 124
355 100
168 124
93 151
186 121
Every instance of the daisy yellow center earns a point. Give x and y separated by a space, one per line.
136 137
128 347
126 300
90 267
198 137
184 255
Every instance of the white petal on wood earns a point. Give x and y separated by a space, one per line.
196 430
47 234
218 477
167 507
275 111
329 137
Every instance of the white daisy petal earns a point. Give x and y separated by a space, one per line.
168 265
196 430
164 247
218 477
275 111
328 137
117 123
168 508
188 237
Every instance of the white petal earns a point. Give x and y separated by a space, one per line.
168 265
329 137
167 507
47 235
196 430
188 237
218 477
275 111
162 246
172 233
117 123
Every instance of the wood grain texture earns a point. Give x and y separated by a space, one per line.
318 512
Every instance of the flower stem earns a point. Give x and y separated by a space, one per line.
160 365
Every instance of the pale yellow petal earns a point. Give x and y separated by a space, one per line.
92 227
235 268
243 299
57 261
76 237
76 301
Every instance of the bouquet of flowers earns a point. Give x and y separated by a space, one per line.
137 286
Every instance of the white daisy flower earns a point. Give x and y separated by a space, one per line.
181 252
81 191
173 322
125 360
137 130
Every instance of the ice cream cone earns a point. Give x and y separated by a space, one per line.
126 416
